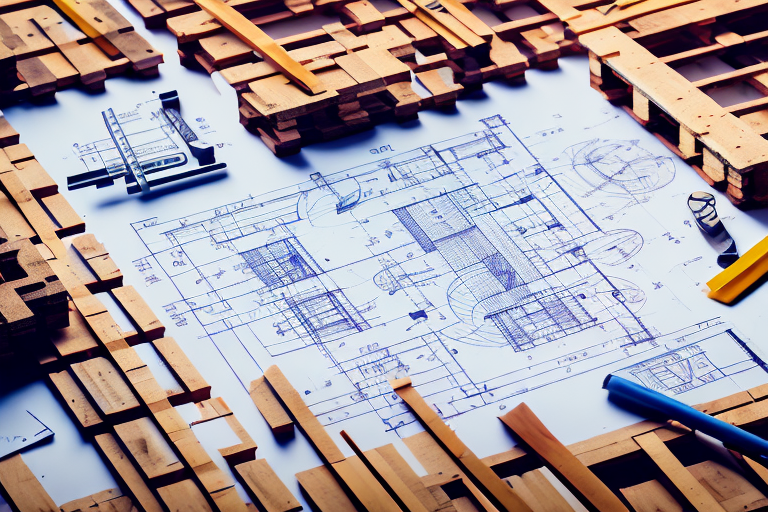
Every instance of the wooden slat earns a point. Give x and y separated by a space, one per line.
105 385
141 314
324 491
270 408
651 497
25 491
75 399
183 369
682 479
266 487
149 449
526 425
392 483
127 473
183 496
492 484
262 43
539 493
304 417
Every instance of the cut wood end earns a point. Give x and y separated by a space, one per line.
400 383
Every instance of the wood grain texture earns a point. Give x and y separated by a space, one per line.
266 487
500 492
270 407
262 43
313 429
25 491
105 386
682 479
526 425
129 475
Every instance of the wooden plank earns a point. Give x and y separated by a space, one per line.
149 449
128 474
386 475
681 16
733 491
34 213
682 479
23 488
266 487
538 492
526 425
270 408
140 313
262 43
488 480
183 369
75 399
105 385
312 428
364 486
651 497
183 496
324 491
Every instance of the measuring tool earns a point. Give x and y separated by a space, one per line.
132 165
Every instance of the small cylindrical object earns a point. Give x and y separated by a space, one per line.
730 435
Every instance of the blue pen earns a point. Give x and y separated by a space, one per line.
731 436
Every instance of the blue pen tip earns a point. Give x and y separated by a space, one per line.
605 382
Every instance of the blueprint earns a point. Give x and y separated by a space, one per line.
491 268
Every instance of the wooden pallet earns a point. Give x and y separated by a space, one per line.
365 62
45 47
648 63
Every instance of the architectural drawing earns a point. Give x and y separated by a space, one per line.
464 264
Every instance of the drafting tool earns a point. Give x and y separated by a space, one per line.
741 440
702 205
730 283
200 149
135 174
105 177
147 148
254 37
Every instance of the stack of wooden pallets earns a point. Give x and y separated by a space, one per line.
366 62
45 47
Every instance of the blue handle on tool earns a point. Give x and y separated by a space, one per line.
734 437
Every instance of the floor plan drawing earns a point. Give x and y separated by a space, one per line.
466 264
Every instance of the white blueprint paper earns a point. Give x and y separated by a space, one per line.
518 249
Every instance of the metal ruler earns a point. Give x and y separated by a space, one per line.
135 172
